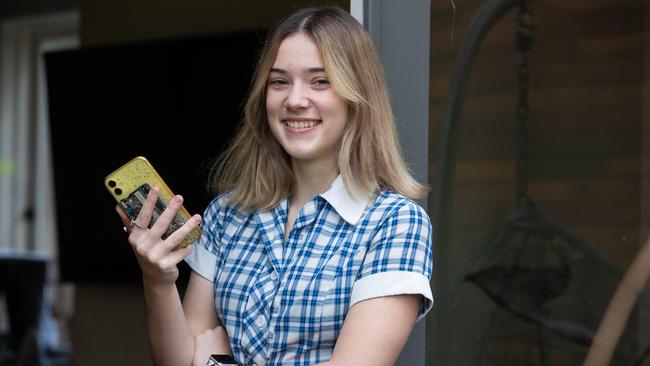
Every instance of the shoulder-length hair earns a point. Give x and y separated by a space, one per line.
257 171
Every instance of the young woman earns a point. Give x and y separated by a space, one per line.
314 251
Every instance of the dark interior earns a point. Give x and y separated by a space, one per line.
176 102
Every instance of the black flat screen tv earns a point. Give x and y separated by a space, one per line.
176 102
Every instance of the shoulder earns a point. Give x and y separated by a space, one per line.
389 205
399 249
221 209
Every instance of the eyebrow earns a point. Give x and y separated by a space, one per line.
310 70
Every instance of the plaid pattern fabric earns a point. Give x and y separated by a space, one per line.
284 303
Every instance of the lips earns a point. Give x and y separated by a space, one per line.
301 124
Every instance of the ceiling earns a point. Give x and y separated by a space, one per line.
14 8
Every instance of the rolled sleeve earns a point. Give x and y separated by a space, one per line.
399 260
394 283
202 261
205 254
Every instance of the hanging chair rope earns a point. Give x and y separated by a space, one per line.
524 44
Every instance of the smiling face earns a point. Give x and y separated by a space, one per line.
305 113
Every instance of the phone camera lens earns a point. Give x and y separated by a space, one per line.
111 183
118 191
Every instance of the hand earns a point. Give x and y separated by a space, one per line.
210 342
158 258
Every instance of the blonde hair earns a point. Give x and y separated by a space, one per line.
257 171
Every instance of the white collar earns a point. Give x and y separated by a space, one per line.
349 207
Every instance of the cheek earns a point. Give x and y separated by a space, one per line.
273 104
269 108
343 114
272 124
338 106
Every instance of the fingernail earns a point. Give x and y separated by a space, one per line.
197 219
178 198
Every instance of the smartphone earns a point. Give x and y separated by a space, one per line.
130 184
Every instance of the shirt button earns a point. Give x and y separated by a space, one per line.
260 321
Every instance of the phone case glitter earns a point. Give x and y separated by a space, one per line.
131 183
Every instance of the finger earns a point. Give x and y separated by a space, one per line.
144 217
161 225
175 257
126 221
124 217
172 242
177 236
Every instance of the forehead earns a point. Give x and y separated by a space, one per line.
298 49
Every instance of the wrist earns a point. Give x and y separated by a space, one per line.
154 286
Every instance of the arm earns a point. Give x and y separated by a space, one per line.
210 336
375 331
198 304
211 342
170 339
391 291
171 328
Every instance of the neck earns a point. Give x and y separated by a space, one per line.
311 178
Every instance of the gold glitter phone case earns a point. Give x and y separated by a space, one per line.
131 183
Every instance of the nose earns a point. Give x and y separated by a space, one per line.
297 97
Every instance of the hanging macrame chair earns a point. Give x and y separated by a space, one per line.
547 288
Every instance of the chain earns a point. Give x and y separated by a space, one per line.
524 43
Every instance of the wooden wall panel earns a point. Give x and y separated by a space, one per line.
119 21
588 114
586 106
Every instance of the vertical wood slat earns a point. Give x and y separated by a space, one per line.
644 201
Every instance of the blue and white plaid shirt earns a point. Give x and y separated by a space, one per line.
285 303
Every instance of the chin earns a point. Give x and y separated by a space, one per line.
302 155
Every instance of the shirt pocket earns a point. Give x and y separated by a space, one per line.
253 329
333 299
334 302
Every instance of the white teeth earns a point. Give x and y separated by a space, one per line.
301 124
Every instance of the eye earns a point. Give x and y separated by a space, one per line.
321 82
277 82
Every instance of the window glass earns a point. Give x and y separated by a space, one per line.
547 202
